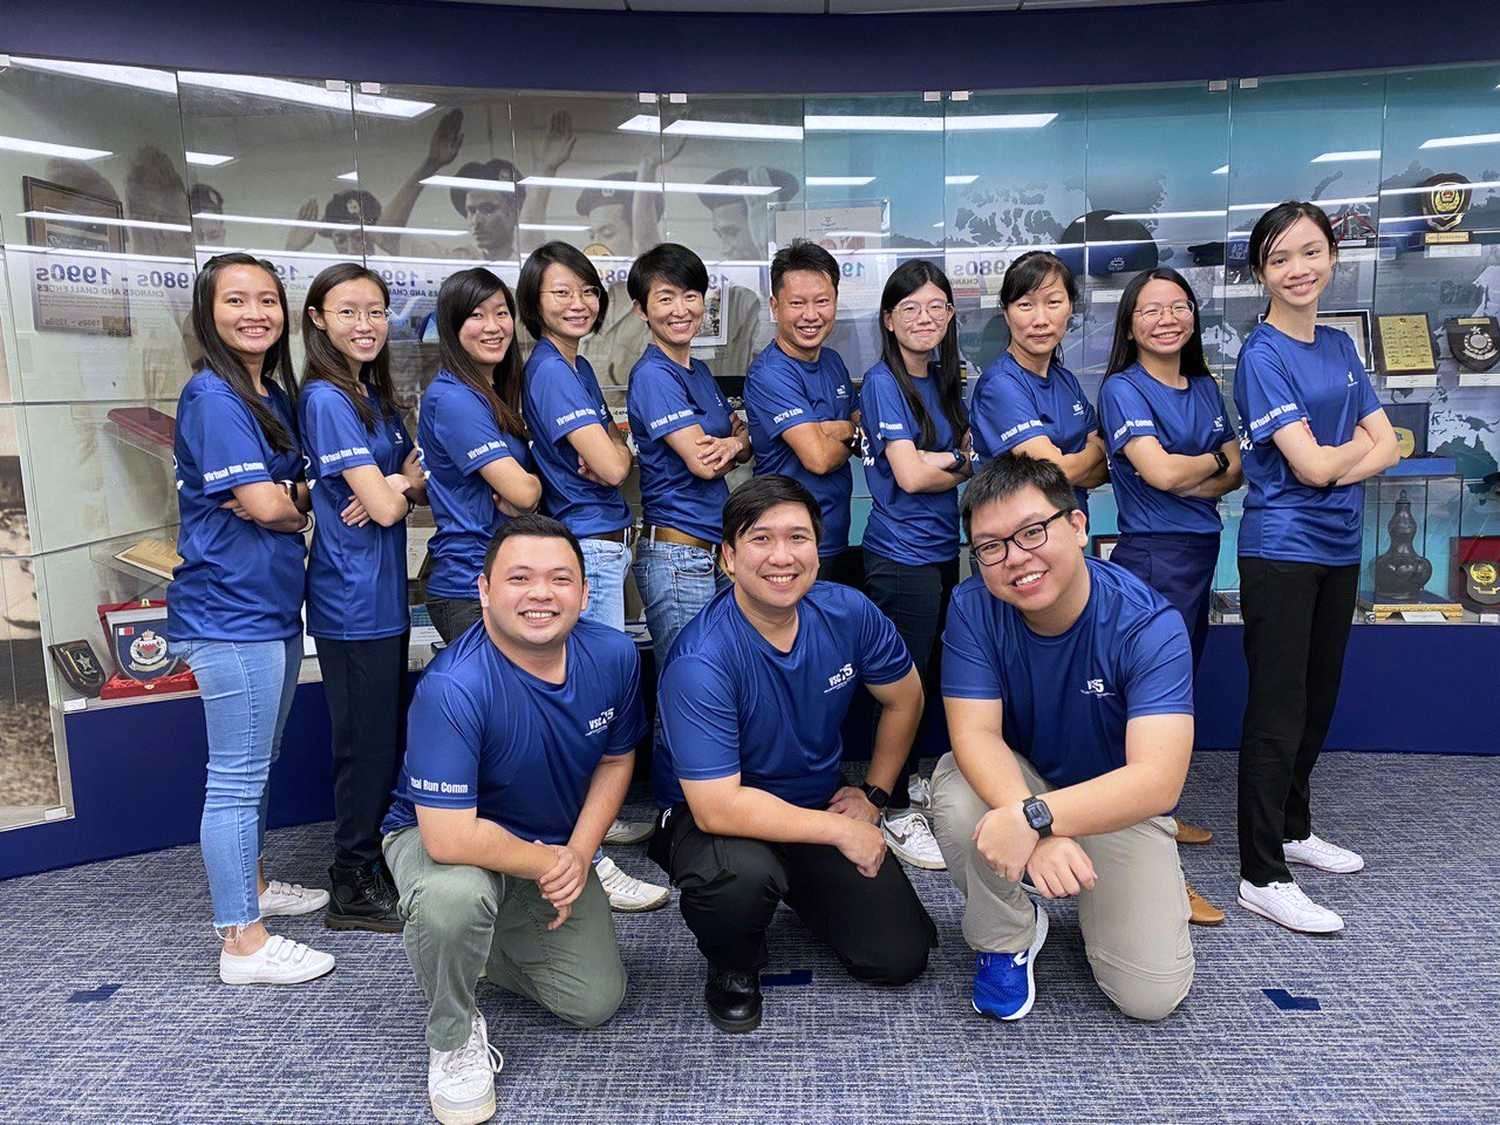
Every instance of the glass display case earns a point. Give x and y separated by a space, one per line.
117 182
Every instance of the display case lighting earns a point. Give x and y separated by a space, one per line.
649 186
566 228
897 123
352 177
854 233
104 221
469 182
207 159
47 148
300 93
959 180
839 181
1144 215
1221 170
731 130
1351 154
1420 190
441 232
271 221
1459 142
140 78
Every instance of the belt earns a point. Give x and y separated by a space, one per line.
620 536
672 535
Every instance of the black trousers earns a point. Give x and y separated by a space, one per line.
451 616
1297 619
846 568
730 888
915 598
363 684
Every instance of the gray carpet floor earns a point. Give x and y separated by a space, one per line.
113 1011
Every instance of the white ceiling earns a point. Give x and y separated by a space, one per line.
818 7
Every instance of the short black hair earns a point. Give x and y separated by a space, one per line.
759 495
1030 272
1008 474
529 285
803 254
501 171
534 526
1277 221
671 263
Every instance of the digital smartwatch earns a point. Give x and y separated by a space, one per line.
1223 462
1038 815
876 796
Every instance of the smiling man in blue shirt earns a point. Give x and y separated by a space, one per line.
1068 685
520 745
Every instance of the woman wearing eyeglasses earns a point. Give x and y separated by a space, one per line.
915 456
1027 401
367 476
580 452
1172 454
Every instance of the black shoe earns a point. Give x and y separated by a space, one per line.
733 999
361 898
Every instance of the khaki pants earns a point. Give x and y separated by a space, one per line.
464 922
1134 921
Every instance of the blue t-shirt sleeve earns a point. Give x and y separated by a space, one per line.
1269 393
465 427
1125 413
1003 417
1368 402
444 734
630 718
1159 668
560 404
227 441
883 658
700 719
1229 430
663 402
333 434
885 413
969 669
778 397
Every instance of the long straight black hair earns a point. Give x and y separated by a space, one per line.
324 361
460 295
1124 351
219 358
905 280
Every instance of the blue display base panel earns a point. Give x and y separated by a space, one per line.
138 771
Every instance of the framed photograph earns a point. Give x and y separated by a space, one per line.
1104 546
77 285
1354 323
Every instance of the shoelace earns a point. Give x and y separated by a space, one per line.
913 827
477 1052
617 882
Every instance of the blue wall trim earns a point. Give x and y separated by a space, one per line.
138 771
441 44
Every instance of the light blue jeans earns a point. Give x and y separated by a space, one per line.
604 565
675 581
247 689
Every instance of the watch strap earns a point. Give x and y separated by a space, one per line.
876 796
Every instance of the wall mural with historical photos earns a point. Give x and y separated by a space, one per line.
117 183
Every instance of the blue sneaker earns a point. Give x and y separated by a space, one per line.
1004 988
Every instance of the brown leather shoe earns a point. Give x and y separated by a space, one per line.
1201 912
1192 833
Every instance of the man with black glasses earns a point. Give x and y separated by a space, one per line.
1068 685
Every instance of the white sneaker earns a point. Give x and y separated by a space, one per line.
279 961
1315 852
461 1083
629 831
629 895
919 789
909 837
1286 905
288 899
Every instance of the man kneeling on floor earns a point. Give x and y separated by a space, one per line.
748 773
519 752
1068 685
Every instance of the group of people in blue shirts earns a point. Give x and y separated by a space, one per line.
1066 681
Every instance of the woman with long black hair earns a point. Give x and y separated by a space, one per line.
916 455
1314 433
368 476
474 442
1172 454
234 605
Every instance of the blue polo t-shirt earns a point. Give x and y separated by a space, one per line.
732 703
1066 699
482 733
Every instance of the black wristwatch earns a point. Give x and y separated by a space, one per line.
1223 462
876 796
1038 815
959 461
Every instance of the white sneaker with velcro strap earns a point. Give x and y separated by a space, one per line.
279 961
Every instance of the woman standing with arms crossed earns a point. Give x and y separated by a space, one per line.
1027 401
915 455
474 442
1313 432
367 477
233 608
1172 454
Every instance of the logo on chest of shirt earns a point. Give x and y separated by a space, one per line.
1078 410
1095 688
842 391
601 721
1349 375
840 679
